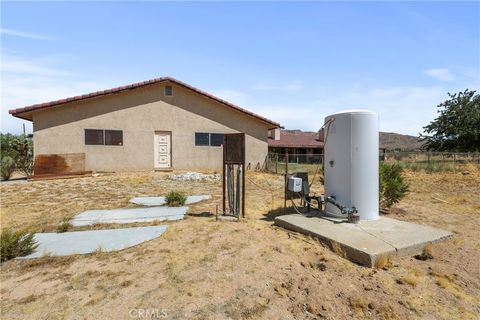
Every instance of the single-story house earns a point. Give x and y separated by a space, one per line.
157 124
301 146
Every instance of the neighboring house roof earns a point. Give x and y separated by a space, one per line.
25 112
296 139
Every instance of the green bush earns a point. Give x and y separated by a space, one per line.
16 244
175 199
393 186
7 167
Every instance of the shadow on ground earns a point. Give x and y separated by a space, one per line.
280 211
204 214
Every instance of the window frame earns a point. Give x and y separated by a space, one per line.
209 138
217 134
112 130
103 138
93 144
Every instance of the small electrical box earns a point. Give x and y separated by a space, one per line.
295 184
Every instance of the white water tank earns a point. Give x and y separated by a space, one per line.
351 162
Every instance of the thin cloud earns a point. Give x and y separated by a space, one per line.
29 81
22 34
15 65
401 109
440 74
288 87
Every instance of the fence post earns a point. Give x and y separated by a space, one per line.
285 187
276 163
286 161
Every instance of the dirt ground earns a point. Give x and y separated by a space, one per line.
206 269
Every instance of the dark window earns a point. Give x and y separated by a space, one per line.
202 139
102 137
168 91
216 139
93 137
113 137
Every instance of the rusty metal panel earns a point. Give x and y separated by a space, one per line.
234 148
59 163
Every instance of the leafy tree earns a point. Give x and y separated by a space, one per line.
457 128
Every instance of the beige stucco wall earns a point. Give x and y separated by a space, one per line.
139 113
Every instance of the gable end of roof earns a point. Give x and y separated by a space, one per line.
21 112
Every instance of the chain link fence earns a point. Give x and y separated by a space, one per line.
415 160
293 162
431 161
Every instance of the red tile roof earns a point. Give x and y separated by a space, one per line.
40 106
296 139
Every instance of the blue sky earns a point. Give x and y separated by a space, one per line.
294 63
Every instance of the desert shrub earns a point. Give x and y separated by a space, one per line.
7 167
24 158
393 186
175 199
7 142
63 227
16 244
20 149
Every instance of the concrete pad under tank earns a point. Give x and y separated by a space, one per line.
364 242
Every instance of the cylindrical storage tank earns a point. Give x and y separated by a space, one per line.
351 162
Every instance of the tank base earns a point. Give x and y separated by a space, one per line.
365 242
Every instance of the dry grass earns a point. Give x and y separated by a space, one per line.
205 269
384 261
359 304
337 248
410 279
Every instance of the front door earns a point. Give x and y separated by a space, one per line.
162 148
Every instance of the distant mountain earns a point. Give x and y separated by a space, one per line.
396 141
388 140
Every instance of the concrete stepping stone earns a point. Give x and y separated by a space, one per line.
91 217
160 201
82 242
